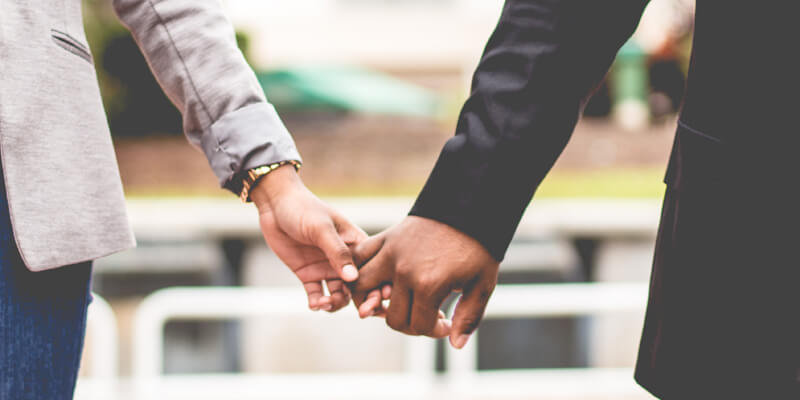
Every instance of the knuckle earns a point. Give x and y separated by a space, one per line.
427 283
423 328
470 324
313 225
318 227
404 274
342 252
394 323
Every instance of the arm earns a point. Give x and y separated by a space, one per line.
539 66
190 46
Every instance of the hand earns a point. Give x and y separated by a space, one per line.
310 237
425 261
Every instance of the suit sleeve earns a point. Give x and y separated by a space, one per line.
191 48
539 66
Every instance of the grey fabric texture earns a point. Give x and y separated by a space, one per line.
62 182
191 48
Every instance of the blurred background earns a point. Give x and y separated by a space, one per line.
371 90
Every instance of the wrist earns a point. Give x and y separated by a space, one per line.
274 185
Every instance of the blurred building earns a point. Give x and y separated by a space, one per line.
438 39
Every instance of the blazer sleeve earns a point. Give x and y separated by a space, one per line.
538 68
191 48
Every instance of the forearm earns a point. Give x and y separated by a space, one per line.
539 66
191 48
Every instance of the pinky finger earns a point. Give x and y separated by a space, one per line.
370 305
442 329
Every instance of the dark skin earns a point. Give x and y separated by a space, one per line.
425 261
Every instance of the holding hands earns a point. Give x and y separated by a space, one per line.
416 264
425 261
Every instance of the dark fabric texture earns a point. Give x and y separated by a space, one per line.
42 323
541 63
722 318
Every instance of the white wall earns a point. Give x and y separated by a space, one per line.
398 35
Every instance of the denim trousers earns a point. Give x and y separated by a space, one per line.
42 322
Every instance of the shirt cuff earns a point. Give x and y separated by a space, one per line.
249 137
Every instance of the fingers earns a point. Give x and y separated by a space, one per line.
425 314
373 275
339 256
378 271
367 249
469 311
443 328
386 292
397 315
374 272
339 294
415 314
370 305
351 234
316 272
373 305
315 296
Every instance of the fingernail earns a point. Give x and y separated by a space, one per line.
368 314
327 307
349 273
461 341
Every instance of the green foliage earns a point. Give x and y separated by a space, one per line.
101 25
133 101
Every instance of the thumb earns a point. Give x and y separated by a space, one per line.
350 233
469 311
377 267
339 257
367 249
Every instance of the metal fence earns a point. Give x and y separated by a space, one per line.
577 223
417 380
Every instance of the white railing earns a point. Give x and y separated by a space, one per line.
100 381
548 300
102 324
171 220
238 303
416 381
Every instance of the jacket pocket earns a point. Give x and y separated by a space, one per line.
72 45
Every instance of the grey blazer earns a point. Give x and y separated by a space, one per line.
64 192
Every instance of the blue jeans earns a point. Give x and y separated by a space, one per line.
42 322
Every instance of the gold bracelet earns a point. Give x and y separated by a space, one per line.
255 174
